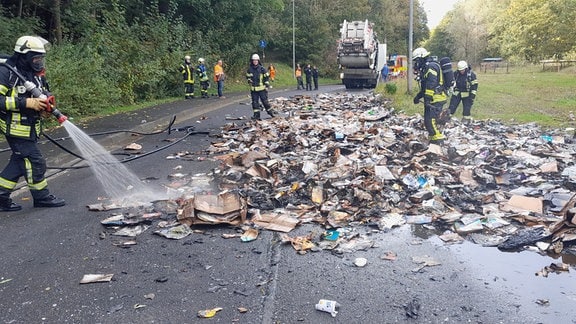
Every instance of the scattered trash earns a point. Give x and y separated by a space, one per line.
242 309
92 278
412 309
424 261
360 262
249 235
390 256
3 281
133 147
208 313
554 268
138 306
328 306
543 302
351 164
176 232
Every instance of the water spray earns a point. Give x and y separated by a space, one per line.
37 93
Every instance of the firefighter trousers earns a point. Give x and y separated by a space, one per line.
26 161
431 113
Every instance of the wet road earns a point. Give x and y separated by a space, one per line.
46 252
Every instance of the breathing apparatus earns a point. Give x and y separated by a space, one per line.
38 93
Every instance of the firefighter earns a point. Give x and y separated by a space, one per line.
20 123
186 69
203 78
258 79
432 91
464 90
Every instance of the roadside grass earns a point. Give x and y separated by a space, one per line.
523 95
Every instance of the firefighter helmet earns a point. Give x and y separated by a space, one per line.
255 57
420 52
27 44
187 57
200 60
462 65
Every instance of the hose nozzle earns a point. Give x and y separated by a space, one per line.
60 116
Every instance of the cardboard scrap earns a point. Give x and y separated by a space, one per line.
226 207
91 278
276 221
519 203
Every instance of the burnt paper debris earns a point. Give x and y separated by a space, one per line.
351 162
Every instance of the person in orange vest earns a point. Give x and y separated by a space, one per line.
298 74
219 78
272 72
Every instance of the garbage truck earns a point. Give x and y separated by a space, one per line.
360 56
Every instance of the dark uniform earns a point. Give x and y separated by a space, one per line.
187 71
432 90
20 123
203 78
258 78
465 92
308 74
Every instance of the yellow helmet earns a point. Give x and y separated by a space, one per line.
27 44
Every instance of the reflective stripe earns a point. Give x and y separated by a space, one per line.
38 186
3 89
11 104
7 184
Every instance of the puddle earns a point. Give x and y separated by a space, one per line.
549 299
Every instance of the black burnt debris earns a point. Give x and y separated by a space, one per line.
351 161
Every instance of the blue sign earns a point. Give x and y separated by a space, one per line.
262 43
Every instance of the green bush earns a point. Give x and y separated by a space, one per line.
390 88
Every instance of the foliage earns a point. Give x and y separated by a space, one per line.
390 88
124 52
547 97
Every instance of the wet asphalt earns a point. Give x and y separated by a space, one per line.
45 253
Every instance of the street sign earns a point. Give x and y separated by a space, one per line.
263 43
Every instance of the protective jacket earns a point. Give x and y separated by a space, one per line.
186 70
15 119
257 77
201 73
466 84
432 83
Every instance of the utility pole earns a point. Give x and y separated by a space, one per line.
410 40
293 43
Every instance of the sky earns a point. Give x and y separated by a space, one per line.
436 9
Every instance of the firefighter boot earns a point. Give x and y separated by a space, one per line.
6 203
272 113
256 116
49 201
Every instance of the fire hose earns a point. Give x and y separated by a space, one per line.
189 131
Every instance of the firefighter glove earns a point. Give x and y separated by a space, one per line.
36 104
418 97
472 96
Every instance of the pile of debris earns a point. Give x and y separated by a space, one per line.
349 161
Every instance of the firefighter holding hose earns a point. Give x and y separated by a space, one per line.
24 100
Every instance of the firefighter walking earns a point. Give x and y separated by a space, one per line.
464 91
258 79
431 90
20 123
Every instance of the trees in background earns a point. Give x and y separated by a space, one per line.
518 30
119 52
